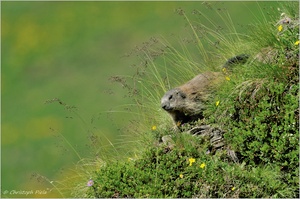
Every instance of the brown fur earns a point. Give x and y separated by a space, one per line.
186 103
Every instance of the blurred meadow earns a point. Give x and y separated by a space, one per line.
70 51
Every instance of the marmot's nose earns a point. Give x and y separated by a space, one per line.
165 106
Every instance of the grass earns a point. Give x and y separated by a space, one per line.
257 106
138 158
42 60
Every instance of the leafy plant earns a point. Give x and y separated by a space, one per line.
183 172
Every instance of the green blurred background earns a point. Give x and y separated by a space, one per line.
69 50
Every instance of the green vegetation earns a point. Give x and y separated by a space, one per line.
65 53
67 50
257 107
173 173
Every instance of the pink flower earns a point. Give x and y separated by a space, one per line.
90 183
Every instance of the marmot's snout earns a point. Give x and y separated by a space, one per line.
166 106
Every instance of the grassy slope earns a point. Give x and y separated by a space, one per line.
258 108
66 50
167 173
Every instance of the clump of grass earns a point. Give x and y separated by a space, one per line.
260 114
164 65
257 106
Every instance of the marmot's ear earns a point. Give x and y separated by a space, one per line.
238 59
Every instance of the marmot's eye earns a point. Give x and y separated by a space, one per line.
170 97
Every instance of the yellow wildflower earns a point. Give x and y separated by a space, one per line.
233 188
280 28
227 78
153 128
297 43
178 123
181 175
217 103
224 70
202 166
192 160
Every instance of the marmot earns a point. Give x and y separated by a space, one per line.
187 102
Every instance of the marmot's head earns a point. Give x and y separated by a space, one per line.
181 106
173 100
186 103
